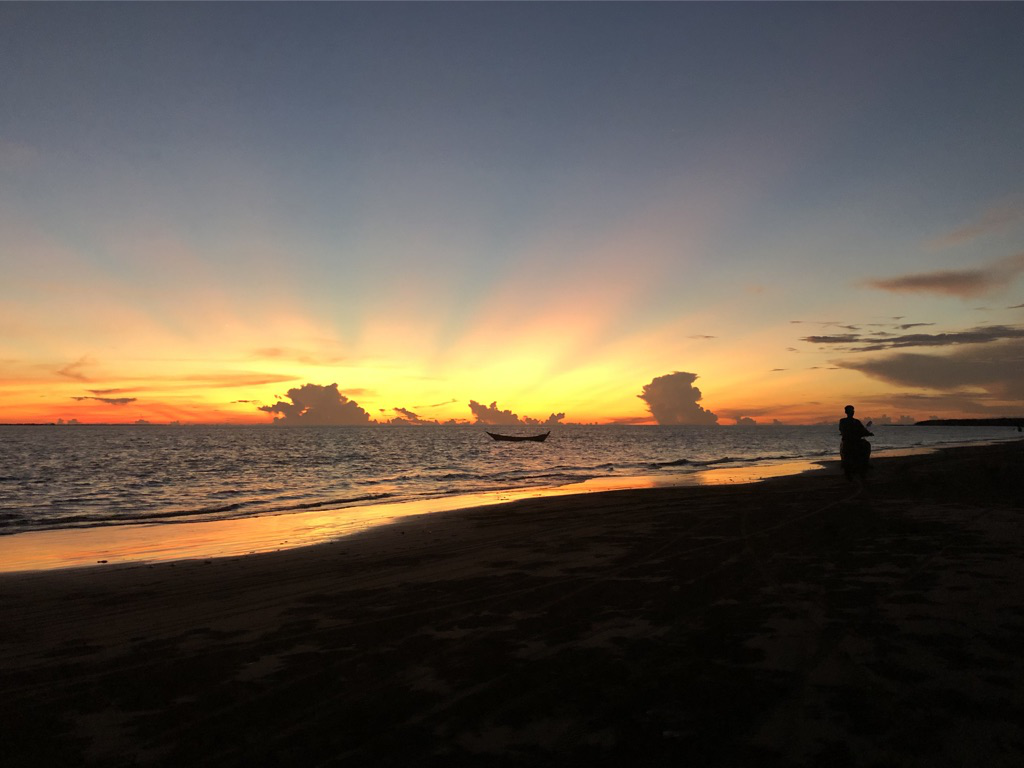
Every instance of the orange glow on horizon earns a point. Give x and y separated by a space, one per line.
537 343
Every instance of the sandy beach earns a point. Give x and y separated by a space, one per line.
800 621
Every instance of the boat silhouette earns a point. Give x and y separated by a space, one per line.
520 438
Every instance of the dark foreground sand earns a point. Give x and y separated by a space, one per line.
801 621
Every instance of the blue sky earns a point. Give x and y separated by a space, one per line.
547 205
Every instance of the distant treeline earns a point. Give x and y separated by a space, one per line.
1003 422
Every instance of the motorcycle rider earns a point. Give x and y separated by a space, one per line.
854 450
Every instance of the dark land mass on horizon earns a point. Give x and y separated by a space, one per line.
1001 422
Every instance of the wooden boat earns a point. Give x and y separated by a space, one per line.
520 438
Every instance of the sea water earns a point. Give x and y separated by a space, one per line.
55 477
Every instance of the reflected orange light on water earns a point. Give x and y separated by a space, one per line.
75 548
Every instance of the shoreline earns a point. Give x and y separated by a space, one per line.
141 543
803 620
144 543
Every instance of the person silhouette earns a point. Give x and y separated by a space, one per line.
854 450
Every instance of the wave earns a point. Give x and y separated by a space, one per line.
21 523
93 477
742 459
709 462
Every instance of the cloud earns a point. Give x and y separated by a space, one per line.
313 404
216 380
992 220
230 380
630 420
550 421
109 400
965 283
437 405
845 338
927 404
745 421
701 336
997 369
751 412
672 399
74 370
980 335
405 416
886 419
492 415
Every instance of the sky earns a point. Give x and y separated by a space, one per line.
499 212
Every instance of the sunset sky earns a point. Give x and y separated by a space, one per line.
543 206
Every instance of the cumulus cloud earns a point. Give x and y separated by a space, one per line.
109 400
407 417
751 411
672 399
491 414
494 416
964 283
316 405
550 421
997 369
745 421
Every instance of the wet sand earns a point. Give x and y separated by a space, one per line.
800 621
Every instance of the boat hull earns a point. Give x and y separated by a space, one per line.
519 438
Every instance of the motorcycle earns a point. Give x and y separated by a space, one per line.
854 456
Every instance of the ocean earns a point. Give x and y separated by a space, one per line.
59 477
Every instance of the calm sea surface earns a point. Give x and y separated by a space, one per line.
74 476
